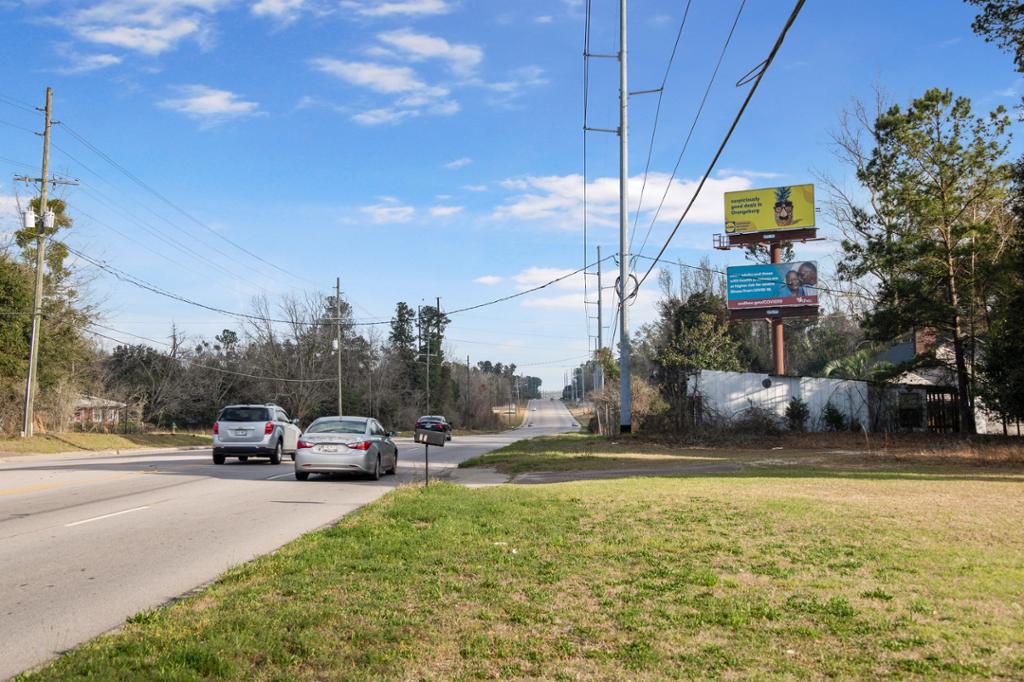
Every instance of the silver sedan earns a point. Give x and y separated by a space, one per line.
345 444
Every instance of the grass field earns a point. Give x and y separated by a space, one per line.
780 571
67 442
588 452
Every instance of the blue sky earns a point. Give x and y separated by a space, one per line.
422 148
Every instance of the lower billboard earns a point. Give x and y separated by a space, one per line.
774 285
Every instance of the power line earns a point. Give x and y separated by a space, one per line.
527 291
18 105
134 178
693 125
187 361
118 207
657 116
142 284
761 69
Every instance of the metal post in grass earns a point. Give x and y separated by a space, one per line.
428 438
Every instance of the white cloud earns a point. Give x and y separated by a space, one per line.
489 280
88 63
209 105
387 8
383 116
144 26
545 19
377 77
563 302
535 276
415 97
284 11
519 80
1016 89
557 200
475 188
459 163
461 58
727 172
389 210
445 211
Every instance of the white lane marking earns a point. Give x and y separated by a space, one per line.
105 516
271 478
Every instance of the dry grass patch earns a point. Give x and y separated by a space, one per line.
69 442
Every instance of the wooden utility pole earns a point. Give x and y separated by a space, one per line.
37 304
337 336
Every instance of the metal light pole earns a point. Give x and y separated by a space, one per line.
625 383
337 335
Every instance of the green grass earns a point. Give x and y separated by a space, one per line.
67 442
790 573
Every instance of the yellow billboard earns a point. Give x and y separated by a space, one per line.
773 208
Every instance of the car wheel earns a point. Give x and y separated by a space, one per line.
394 466
301 475
243 458
448 436
218 459
275 457
376 469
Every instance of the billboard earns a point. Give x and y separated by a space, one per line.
772 286
770 209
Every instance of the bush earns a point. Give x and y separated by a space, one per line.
757 421
833 418
797 413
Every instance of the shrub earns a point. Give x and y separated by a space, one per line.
797 413
756 420
833 418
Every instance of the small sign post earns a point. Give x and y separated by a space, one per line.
428 438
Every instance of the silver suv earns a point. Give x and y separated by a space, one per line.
254 430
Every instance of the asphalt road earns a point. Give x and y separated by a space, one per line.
87 541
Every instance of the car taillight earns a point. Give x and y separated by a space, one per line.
268 428
216 428
305 444
365 445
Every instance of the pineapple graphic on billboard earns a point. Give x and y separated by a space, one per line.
769 209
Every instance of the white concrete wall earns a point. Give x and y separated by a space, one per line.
728 394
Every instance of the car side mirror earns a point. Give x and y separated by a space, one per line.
391 434
294 421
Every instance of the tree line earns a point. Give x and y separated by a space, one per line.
284 351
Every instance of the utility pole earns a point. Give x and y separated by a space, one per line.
625 383
337 335
467 389
37 304
778 337
598 369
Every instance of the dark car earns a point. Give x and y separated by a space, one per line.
435 422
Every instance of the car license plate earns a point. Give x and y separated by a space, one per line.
241 432
327 448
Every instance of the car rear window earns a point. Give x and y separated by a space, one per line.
244 414
337 426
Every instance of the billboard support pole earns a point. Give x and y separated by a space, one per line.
778 335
